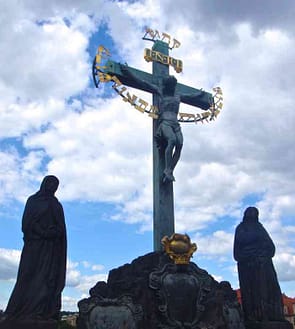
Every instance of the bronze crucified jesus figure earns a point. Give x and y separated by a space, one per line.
169 133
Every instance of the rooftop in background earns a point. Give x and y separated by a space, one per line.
289 305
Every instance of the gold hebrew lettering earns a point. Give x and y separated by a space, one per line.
179 66
159 57
100 67
198 117
117 83
103 51
151 55
218 90
97 58
104 77
156 34
147 55
154 55
165 59
173 61
205 114
176 44
130 99
153 112
176 64
183 116
216 112
142 106
166 36
150 32
121 90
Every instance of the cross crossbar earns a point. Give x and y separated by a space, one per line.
202 98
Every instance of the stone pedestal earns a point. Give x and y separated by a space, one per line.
28 324
269 325
153 292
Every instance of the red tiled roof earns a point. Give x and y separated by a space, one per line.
289 302
238 291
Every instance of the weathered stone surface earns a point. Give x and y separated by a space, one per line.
269 325
180 292
152 292
28 324
112 317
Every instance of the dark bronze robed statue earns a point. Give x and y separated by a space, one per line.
260 290
42 268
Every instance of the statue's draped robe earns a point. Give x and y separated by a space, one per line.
41 274
261 294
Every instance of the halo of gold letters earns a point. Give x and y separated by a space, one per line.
140 104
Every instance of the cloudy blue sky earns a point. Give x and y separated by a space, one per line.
53 121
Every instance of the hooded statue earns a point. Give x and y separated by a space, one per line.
42 268
260 290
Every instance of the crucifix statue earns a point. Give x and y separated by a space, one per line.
167 136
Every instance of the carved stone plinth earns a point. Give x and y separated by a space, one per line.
153 292
180 292
269 325
28 324
107 313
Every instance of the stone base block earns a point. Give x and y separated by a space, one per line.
152 292
28 324
269 325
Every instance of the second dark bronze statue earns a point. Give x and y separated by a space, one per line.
41 275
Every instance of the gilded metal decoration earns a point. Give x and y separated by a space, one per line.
154 35
179 248
151 55
99 75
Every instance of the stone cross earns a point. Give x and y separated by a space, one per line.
163 203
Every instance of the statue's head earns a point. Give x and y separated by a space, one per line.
169 85
49 184
251 214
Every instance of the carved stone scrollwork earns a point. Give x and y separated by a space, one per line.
154 293
106 313
180 291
